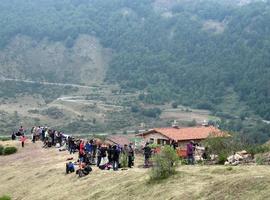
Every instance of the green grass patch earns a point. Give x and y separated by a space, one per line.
5 197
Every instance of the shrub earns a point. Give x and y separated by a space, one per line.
229 168
174 105
164 164
192 123
222 147
10 150
5 138
5 197
259 159
255 149
1 150
222 157
152 112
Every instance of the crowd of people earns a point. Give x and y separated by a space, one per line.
90 152
93 152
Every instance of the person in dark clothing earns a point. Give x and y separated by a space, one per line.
72 145
110 153
98 155
94 150
147 154
130 156
42 133
115 157
174 144
84 170
21 130
70 167
190 152
205 155
13 136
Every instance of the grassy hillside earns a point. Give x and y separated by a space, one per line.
42 173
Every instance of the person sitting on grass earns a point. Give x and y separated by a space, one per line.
84 169
70 168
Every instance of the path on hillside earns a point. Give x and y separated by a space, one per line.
47 83
82 100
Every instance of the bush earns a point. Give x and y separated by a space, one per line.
259 159
10 150
152 112
164 164
174 105
5 138
256 149
1 150
5 197
222 147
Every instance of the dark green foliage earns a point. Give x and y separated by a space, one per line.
135 108
5 138
174 105
223 147
53 112
165 164
257 149
10 150
1 150
152 112
192 123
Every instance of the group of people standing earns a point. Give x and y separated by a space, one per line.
104 156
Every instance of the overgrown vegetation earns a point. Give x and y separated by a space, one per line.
223 147
165 164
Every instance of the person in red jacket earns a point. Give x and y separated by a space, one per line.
81 151
22 139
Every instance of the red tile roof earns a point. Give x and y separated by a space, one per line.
118 139
188 133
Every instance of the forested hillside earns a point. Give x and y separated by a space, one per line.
195 53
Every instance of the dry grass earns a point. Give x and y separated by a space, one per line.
36 173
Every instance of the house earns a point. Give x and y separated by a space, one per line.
118 140
181 135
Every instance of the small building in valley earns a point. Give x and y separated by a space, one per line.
181 135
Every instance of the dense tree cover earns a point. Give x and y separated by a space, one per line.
170 55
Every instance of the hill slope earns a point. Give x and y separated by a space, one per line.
36 173
207 54
187 51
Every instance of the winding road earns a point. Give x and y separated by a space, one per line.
47 83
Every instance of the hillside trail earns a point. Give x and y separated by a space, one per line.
47 83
